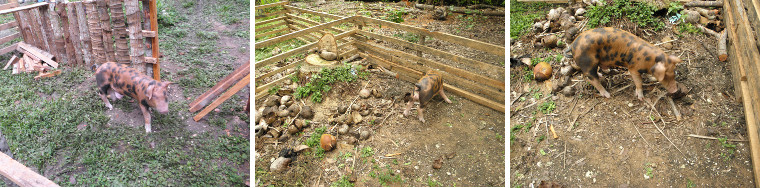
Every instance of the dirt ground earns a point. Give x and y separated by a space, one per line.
614 143
468 137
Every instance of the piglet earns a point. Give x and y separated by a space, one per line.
119 80
427 87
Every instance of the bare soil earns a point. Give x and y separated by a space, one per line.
615 144
468 137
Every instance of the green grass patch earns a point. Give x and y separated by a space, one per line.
522 15
639 13
319 84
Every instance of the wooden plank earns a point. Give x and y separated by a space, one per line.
13 60
226 95
39 28
9 38
299 33
271 5
121 48
393 57
308 38
149 34
105 25
38 54
299 26
744 43
321 14
292 16
278 13
74 33
222 85
474 44
8 25
44 18
57 33
24 35
9 5
84 34
60 11
485 67
135 36
269 21
304 48
455 71
265 87
26 25
148 48
546 1
27 7
22 175
96 33
281 69
8 49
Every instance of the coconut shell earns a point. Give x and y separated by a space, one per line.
542 71
328 142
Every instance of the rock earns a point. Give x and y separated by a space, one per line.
553 14
440 13
327 55
282 107
283 138
580 12
542 71
351 140
327 142
364 93
666 44
306 112
273 100
376 94
275 132
300 148
566 70
357 118
285 99
4 146
364 135
293 129
549 41
343 129
568 91
547 25
283 113
280 164
355 107
570 34
287 82
342 109
364 112
538 27
294 109
276 51
437 163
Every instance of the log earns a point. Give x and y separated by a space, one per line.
704 4
222 85
722 54
74 33
38 54
706 13
154 40
135 36
84 34
50 39
55 26
105 26
24 35
708 31
463 10
226 95
22 175
96 34
28 27
13 60
69 47
121 48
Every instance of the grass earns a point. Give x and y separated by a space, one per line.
547 107
639 13
433 183
522 15
729 148
342 182
319 84
367 152
313 142
385 176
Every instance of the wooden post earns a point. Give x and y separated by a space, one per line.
96 34
84 34
76 41
154 40
22 175
119 31
39 28
26 25
135 34
58 40
105 26
69 47
421 42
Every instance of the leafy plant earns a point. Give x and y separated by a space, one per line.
342 182
396 15
522 15
674 7
274 90
367 151
547 107
639 13
319 84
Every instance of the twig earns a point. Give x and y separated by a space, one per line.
621 89
572 125
391 155
642 137
564 154
357 97
666 136
573 108
389 114
517 98
665 42
675 110
713 138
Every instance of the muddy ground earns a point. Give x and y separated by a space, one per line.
614 143
467 136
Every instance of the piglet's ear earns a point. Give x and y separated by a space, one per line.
659 71
149 91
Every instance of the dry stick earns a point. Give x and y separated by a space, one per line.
675 110
564 154
663 133
573 108
665 42
621 89
569 128
389 114
713 138
642 137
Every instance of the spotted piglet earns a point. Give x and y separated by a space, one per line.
607 47
425 89
119 80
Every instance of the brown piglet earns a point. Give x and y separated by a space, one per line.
427 87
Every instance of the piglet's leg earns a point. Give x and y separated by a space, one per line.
408 107
595 82
105 100
636 76
445 98
419 114
146 115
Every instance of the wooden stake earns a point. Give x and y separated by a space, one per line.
105 26
21 175
226 95
74 38
222 85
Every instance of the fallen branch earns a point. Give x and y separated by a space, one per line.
462 10
554 134
708 31
704 4
663 133
713 138
572 125
665 42
391 155
675 109
722 53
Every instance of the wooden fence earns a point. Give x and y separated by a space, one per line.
744 58
91 32
477 81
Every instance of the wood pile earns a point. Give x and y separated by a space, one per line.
33 60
